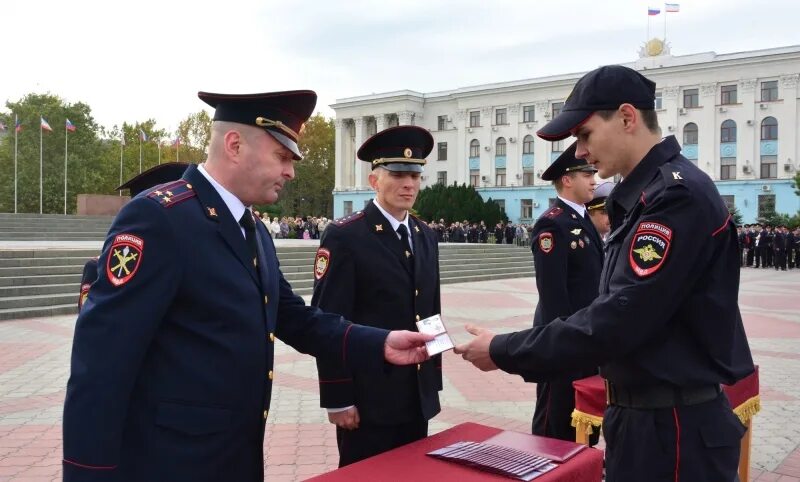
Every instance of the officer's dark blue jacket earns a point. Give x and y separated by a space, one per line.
367 280
172 359
667 310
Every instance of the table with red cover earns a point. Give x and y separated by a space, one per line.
409 462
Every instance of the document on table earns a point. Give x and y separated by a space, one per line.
435 326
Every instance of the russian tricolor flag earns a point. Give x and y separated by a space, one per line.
70 126
672 7
17 125
45 125
142 135
653 11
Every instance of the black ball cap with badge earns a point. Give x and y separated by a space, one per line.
605 88
566 163
399 149
281 114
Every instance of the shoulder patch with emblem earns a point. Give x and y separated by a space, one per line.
124 258
84 295
172 193
553 212
321 263
349 219
649 248
546 242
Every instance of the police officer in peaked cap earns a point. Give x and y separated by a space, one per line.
665 329
597 208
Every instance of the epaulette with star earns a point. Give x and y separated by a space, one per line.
349 219
553 212
172 193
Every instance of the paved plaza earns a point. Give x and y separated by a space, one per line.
34 366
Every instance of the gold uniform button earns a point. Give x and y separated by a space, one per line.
417 317
270 375
272 337
266 299
266 412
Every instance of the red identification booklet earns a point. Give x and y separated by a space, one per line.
556 450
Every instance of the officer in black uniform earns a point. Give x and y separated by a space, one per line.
597 208
380 267
169 171
172 358
568 257
665 329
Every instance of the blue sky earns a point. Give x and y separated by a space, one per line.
135 60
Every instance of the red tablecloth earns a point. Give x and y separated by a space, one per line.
590 400
409 462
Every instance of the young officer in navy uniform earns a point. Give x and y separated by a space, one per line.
380 267
666 329
597 209
172 358
169 171
568 257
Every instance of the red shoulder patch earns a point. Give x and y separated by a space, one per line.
321 263
124 258
553 212
83 295
546 242
649 248
172 193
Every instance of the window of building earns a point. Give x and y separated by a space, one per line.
348 208
441 177
769 129
528 113
727 132
501 203
766 205
500 117
500 147
729 201
500 177
769 90
557 106
441 122
769 167
727 94
527 176
690 133
441 149
474 177
558 146
526 208
659 103
475 118
691 98
474 148
727 168
527 144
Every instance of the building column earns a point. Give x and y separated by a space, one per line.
458 158
787 138
339 155
748 136
359 166
708 148
380 122
513 149
541 147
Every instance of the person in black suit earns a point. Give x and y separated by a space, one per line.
380 267
159 174
568 257
498 233
510 232
779 248
172 357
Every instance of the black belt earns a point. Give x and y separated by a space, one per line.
658 396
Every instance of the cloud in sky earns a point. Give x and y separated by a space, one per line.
136 60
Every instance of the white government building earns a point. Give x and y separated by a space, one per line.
736 116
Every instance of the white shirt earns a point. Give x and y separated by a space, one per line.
235 206
579 208
396 224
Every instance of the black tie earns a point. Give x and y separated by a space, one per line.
249 226
403 231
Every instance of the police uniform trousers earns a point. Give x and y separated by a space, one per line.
690 443
552 417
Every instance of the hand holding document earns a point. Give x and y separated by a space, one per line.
435 326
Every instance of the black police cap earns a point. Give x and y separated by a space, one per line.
281 114
566 163
160 174
401 148
605 88
601 192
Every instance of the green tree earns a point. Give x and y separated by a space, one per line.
735 214
310 193
796 183
457 203
194 133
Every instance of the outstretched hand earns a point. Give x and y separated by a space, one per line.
476 351
404 347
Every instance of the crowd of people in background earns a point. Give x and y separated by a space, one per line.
765 246
298 227
466 232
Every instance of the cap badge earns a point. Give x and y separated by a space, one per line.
408 153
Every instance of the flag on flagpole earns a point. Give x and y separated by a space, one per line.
17 125
653 11
176 142
672 7
70 126
3 127
45 125
142 135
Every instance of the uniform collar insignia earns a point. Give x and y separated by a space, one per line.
378 228
574 217
212 212
416 228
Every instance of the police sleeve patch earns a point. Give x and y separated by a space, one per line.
124 258
546 242
83 295
321 263
649 248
